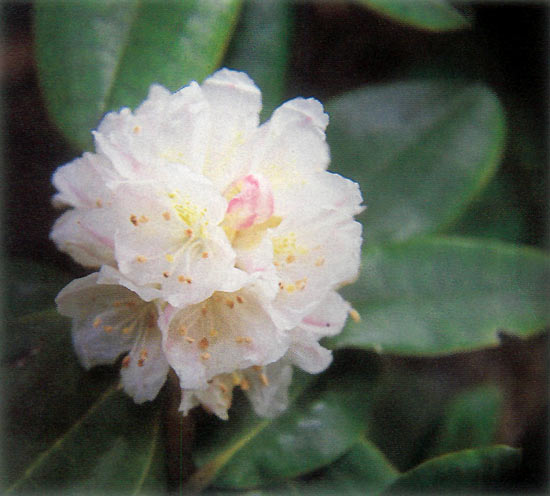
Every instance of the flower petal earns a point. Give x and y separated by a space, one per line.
106 319
268 390
145 369
235 104
230 331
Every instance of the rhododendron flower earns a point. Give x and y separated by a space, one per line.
218 244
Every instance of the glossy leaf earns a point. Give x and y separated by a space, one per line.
421 151
471 420
362 470
476 469
66 429
444 295
431 15
494 214
313 432
100 55
261 46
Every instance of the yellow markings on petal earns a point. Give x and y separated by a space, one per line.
203 343
189 339
301 283
204 254
182 279
290 288
136 129
169 258
97 322
126 361
108 328
247 340
290 259
354 314
287 245
205 356
213 333
134 219
320 261
143 219
264 380
141 258
182 330
166 215
245 385
173 156
281 176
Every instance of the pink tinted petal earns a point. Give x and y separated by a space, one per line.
252 204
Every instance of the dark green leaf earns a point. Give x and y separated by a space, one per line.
420 150
261 47
444 295
432 15
97 56
362 470
313 432
30 286
476 469
471 420
494 214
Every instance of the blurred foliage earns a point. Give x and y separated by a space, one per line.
426 149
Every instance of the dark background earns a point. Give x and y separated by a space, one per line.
337 47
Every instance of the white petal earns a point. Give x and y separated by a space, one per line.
169 236
87 235
230 331
79 183
268 391
291 146
106 319
166 127
215 399
235 103
145 370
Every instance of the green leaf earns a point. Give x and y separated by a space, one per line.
65 428
362 470
100 55
421 151
494 214
445 295
431 15
476 469
470 421
31 286
261 48
313 432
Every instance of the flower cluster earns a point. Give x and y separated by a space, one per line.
218 244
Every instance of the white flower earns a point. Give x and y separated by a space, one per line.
229 239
